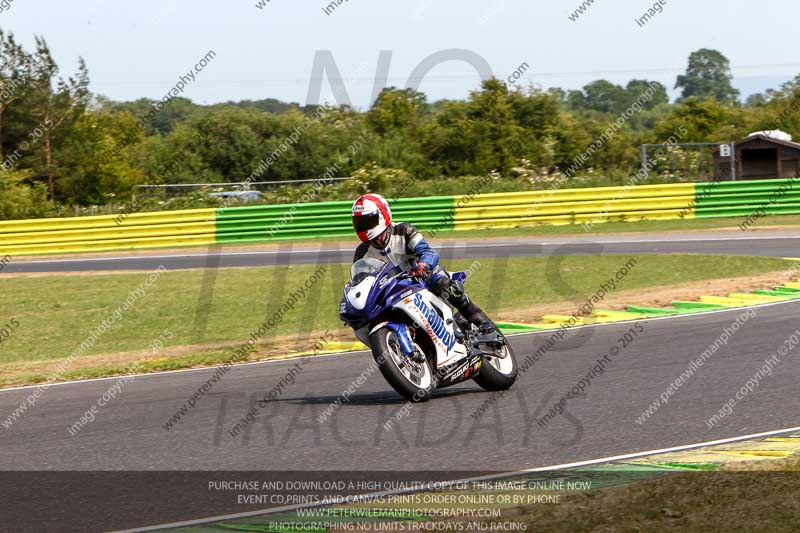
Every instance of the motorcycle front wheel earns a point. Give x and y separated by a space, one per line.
412 379
498 373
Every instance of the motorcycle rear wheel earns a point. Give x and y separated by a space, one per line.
413 380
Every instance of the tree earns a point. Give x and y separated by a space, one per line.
57 105
606 97
708 76
396 109
14 80
493 132
636 88
704 121
575 101
90 176
791 86
18 199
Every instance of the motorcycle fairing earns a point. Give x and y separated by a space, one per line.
435 317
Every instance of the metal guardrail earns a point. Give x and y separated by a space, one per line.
261 223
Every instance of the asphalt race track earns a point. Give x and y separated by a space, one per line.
440 435
764 243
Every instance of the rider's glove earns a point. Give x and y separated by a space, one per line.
422 270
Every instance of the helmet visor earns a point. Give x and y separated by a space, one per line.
365 222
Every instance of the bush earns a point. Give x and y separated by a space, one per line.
19 200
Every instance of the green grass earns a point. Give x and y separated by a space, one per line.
56 313
757 497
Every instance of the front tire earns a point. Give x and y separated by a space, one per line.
413 380
498 373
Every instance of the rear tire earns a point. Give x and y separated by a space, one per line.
497 373
413 380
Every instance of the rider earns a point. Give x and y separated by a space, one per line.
401 244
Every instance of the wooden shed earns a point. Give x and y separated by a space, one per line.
759 157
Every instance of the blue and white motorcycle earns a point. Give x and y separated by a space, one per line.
416 340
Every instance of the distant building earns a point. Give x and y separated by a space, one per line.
760 156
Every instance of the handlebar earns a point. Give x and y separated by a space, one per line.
405 275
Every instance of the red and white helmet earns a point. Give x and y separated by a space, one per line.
371 216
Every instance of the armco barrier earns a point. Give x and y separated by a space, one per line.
432 214
323 219
574 206
103 233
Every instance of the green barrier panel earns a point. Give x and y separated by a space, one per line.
787 289
323 219
728 193
743 186
697 306
777 293
746 211
750 198
507 328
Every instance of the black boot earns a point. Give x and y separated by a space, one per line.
462 326
473 313
482 321
454 293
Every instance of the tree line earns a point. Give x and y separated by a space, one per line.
63 147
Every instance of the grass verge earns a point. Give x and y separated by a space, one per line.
763 496
200 317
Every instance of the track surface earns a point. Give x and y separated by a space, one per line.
439 435
784 243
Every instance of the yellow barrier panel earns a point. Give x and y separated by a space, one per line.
583 207
728 302
575 206
559 319
556 220
758 298
107 234
107 246
574 195
108 221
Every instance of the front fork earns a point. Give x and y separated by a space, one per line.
400 329
404 336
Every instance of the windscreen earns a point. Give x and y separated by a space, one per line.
363 268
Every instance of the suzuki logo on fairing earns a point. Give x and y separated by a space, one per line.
437 325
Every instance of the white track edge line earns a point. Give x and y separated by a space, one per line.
563 466
287 359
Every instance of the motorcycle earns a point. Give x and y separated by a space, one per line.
418 342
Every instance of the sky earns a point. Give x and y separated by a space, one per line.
140 49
